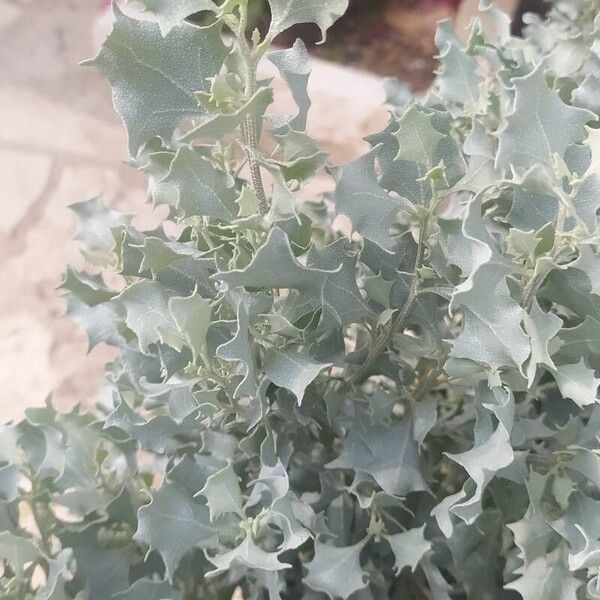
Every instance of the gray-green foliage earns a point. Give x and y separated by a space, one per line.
409 413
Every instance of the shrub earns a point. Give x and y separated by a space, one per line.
409 412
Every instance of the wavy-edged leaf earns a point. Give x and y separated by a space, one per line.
173 523
154 78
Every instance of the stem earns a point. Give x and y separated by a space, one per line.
381 343
205 236
393 520
250 143
41 516
430 381
530 291
536 281
249 131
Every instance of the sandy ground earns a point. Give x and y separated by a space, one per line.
61 143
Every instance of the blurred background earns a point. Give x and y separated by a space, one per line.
61 143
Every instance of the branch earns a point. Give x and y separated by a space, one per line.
250 144
249 132
534 284
397 324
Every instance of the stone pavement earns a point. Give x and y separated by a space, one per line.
61 143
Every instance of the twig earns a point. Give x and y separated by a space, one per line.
534 284
249 132
397 324
250 144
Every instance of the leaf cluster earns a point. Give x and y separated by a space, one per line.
408 411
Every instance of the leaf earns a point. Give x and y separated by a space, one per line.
587 94
9 483
534 136
273 480
336 571
401 177
221 124
532 535
96 223
388 454
582 341
418 140
69 448
496 23
275 266
247 554
587 463
438 585
220 445
589 263
408 548
579 517
287 13
522 244
192 472
292 369
170 14
547 578
492 324
486 295
100 322
147 306
397 94
57 576
425 417
533 204
154 78
458 78
172 524
157 255
341 301
331 278
294 518
490 453
294 66
48 446
178 267
593 143
88 289
571 289
18 551
473 549
102 570
88 304
201 188
146 589
378 289
301 160
193 318
175 394
154 434
222 492
370 209
247 202
273 582
577 382
541 327
479 147
587 201
240 348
